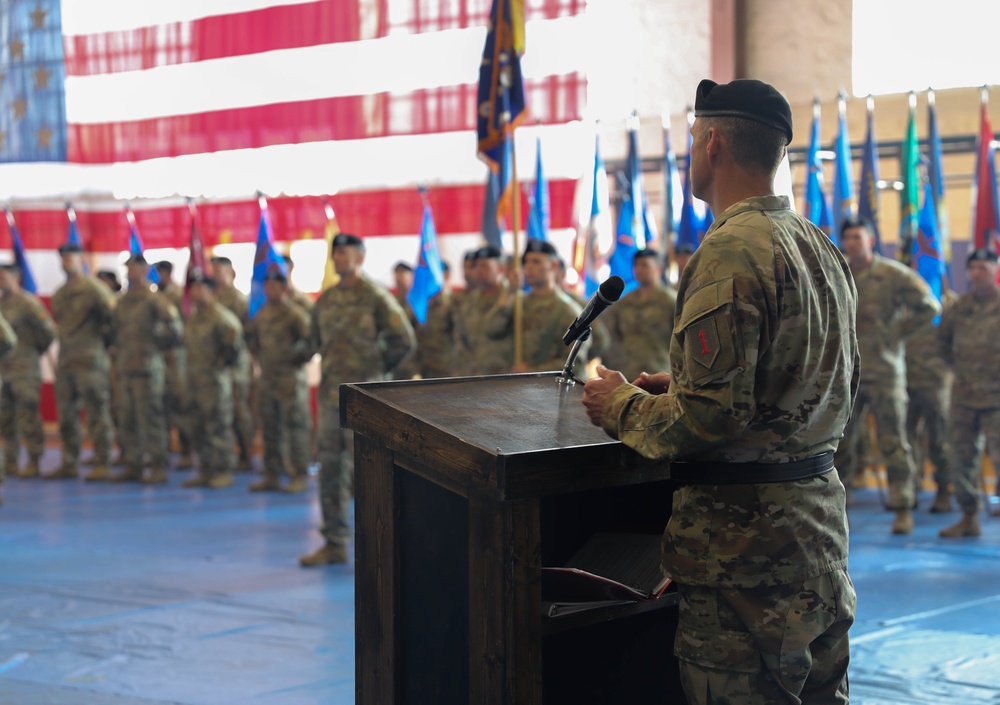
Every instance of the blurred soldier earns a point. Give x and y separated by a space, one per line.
82 309
144 325
213 338
294 295
436 338
970 344
20 409
174 397
403 275
893 302
8 341
110 279
362 334
928 386
642 323
279 338
600 336
485 355
548 312
460 300
682 255
242 372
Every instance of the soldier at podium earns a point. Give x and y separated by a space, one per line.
764 372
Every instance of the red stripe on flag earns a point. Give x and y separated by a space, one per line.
457 209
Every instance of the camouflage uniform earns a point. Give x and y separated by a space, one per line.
174 397
893 302
279 336
300 299
928 386
362 333
410 366
483 354
242 374
20 410
436 338
764 364
545 319
641 326
82 309
144 325
970 344
8 341
213 338
461 355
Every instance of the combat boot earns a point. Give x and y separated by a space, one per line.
221 481
244 465
266 484
968 525
198 480
66 471
903 523
129 474
155 476
942 502
327 554
186 462
30 469
100 473
296 485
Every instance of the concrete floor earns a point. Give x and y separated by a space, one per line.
128 595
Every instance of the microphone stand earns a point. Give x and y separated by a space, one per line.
567 377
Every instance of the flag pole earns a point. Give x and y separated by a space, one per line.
505 80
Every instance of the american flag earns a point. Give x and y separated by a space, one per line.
360 101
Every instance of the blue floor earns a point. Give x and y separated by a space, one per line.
127 595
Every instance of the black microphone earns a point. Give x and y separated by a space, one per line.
610 291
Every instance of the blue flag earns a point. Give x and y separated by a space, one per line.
928 255
491 221
589 257
20 258
500 96
428 277
32 76
539 219
935 172
135 248
868 196
690 229
625 245
265 258
817 204
73 236
673 201
633 223
843 182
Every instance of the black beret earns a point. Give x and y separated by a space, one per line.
137 258
274 274
469 256
684 248
402 265
221 260
10 267
111 278
649 252
288 260
487 252
982 254
70 248
744 98
164 265
347 240
198 276
542 246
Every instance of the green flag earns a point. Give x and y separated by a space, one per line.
909 158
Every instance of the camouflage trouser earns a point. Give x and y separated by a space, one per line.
927 431
142 425
243 421
969 429
888 406
90 387
286 422
174 398
210 412
21 414
336 469
779 644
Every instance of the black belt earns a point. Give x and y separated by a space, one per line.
694 473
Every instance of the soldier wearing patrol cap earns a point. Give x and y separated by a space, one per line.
362 334
20 409
280 339
82 309
969 343
548 311
403 275
480 354
764 370
642 323
143 326
213 339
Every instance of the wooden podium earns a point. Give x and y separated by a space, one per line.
464 488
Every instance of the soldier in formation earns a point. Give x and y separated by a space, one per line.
436 338
478 352
174 393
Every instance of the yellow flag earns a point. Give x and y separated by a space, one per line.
517 24
330 276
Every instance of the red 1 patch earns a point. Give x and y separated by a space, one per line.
705 339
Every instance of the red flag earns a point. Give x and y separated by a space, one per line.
196 261
985 218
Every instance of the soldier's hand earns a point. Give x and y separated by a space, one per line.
654 384
597 390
